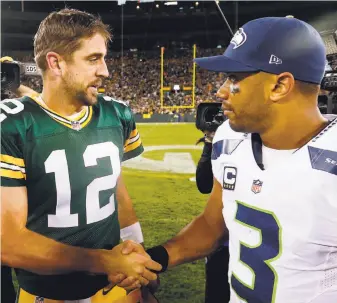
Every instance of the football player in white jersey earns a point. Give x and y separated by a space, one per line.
275 167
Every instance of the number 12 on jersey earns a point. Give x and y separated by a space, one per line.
258 258
57 163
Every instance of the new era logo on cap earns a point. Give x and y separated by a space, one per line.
274 60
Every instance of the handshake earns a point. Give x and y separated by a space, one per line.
130 267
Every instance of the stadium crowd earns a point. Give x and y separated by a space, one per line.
135 78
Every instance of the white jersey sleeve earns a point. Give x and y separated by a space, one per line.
225 142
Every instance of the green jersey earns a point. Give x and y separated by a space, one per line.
70 169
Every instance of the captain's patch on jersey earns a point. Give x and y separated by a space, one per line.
229 177
322 159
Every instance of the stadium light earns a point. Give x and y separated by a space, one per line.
171 3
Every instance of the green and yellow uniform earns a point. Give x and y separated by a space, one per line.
70 169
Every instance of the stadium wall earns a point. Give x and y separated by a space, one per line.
164 118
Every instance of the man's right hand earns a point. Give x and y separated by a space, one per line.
135 266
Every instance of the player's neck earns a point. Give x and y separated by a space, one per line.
59 102
291 132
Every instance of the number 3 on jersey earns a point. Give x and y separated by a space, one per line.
258 258
57 163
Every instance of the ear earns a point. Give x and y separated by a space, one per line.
282 85
54 61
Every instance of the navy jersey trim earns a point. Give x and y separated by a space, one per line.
226 147
323 159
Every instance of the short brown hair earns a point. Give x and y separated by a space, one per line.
62 32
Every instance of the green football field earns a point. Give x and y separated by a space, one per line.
166 201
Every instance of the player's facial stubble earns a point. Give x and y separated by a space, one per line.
80 91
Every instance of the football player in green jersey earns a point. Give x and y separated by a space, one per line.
61 154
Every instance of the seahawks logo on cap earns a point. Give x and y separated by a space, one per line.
239 38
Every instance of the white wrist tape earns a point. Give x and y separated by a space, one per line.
132 232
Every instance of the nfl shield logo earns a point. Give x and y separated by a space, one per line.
39 300
257 186
75 125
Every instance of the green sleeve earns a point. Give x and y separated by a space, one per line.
13 172
133 146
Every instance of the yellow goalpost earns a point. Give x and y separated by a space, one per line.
169 88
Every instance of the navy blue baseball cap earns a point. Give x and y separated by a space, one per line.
273 45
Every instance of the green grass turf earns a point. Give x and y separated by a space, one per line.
165 203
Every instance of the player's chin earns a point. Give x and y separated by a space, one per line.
91 97
236 125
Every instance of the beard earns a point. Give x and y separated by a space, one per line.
257 121
84 95
85 99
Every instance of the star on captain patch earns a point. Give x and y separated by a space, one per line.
256 186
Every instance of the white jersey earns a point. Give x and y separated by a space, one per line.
282 221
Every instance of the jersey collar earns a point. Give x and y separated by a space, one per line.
81 121
257 143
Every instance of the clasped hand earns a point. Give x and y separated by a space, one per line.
134 268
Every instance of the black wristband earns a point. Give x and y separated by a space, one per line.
160 255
